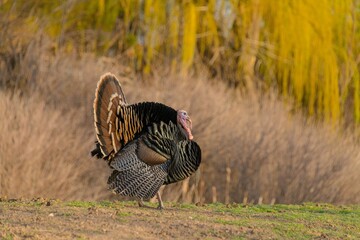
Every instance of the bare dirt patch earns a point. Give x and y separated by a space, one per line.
34 220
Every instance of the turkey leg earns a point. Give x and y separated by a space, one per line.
161 204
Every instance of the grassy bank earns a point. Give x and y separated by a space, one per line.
41 219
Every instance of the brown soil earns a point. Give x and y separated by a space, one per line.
55 220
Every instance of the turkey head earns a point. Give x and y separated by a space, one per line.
185 124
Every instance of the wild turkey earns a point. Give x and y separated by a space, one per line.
148 144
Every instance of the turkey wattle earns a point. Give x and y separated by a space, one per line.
148 144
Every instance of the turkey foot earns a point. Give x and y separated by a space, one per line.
159 207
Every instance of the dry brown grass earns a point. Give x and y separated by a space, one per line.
252 149
43 151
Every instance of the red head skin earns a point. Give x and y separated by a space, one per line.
185 123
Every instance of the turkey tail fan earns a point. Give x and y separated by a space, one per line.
117 123
108 96
186 163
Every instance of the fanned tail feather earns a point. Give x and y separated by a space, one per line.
108 96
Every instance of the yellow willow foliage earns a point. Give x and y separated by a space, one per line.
189 35
101 10
208 28
357 98
126 6
306 60
308 50
248 29
154 24
174 31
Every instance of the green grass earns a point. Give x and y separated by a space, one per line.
296 221
305 221
8 236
